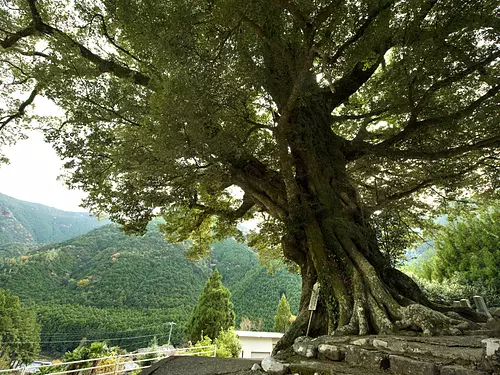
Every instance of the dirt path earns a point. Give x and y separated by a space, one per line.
202 366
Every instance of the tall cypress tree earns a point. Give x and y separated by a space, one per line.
214 310
283 315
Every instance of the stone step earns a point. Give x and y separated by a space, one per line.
330 368
401 355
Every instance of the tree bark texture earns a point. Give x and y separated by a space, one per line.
330 238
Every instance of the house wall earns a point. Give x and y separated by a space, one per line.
257 347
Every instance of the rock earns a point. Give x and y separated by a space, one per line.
305 347
491 354
494 323
379 343
361 342
457 370
367 358
273 367
495 312
256 367
330 352
406 366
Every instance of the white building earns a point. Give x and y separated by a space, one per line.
257 344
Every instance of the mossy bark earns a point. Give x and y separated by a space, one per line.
331 240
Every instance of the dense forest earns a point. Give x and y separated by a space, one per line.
107 285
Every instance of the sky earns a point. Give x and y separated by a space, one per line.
32 175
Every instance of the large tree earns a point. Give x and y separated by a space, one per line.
327 115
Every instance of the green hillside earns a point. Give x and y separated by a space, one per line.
27 223
104 282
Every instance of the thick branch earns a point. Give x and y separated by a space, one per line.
417 187
273 44
296 13
342 89
454 78
103 65
359 33
262 184
20 112
12 39
415 126
438 155
247 204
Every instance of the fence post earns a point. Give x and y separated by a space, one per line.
215 351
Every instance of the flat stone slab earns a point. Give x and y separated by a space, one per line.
187 365
406 366
330 368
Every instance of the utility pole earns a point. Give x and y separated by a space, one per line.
170 334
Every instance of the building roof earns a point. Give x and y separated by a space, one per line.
273 335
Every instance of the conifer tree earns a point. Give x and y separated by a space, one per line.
214 311
19 332
283 315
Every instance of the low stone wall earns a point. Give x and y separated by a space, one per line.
442 355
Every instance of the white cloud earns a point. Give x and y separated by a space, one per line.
32 175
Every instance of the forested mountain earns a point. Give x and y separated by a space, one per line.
105 284
29 223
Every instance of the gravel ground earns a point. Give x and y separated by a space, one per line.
202 366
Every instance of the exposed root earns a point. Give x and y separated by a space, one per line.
431 322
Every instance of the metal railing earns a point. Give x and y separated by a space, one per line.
129 363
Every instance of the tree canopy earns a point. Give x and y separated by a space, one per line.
319 117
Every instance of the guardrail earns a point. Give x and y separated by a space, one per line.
128 364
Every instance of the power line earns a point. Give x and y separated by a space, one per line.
87 340
96 332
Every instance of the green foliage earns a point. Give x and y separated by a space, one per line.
87 352
228 344
466 256
174 107
200 347
283 315
19 331
214 311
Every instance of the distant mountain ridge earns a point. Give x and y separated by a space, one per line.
105 280
32 223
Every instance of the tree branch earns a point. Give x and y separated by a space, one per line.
112 41
415 126
359 32
454 78
277 47
9 41
296 13
21 110
430 155
417 187
103 65
324 13
373 113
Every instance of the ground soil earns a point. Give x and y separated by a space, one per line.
202 366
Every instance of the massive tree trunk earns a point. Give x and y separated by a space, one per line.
331 240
